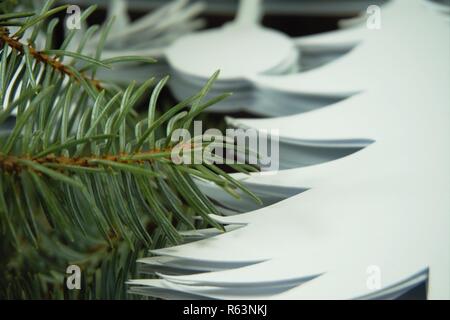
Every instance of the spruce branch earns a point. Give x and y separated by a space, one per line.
83 177
44 58
132 178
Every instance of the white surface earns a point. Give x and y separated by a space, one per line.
387 205
201 53
268 62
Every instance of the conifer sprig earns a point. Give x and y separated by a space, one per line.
83 176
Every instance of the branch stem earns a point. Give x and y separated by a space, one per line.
15 44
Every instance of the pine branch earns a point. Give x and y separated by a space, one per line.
41 57
15 164
76 177
83 177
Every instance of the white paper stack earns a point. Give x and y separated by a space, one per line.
260 65
239 49
370 225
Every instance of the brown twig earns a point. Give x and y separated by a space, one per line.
10 163
15 44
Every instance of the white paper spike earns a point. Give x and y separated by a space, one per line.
265 70
385 208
